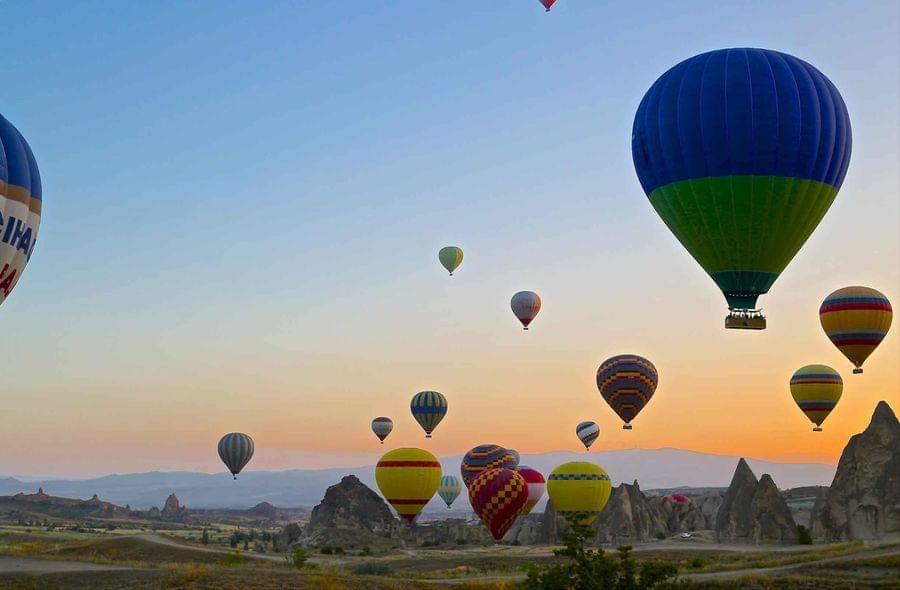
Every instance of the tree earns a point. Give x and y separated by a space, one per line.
588 569
300 558
205 538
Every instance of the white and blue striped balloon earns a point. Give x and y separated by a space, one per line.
449 489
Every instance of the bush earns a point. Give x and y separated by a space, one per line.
588 568
232 560
803 536
367 550
338 550
326 550
697 563
372 569
660 536
299 558
461 542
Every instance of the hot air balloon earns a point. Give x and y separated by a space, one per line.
627 383
428 408
536 486
382 427
515 455
579 491
485 457
547 4
816 389
856 320
525 305
20 206
741 152
498 496
451 257
587 432
677 498
449 489
235 450
408 478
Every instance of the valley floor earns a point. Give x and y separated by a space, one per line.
47 559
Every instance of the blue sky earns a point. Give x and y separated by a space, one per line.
244 201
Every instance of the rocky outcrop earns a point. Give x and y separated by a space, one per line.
173 511
629 516
863 501
350 515
753 511
266 511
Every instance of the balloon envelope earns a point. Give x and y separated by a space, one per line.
498 496
525 306
547 4
449 489
382 427
816 389
627 382
579 491
408 478
856 320
741 152
587 433
235 450
20 206
536 486
451 257
485 457
428 408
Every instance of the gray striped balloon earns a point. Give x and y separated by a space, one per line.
235 449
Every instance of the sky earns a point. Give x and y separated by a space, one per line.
243 204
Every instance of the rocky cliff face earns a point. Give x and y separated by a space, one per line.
173 511
349 515
863 501
753 511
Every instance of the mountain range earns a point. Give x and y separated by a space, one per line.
656 468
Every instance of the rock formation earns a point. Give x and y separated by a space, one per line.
350 514
266 511
863 501
173 511
753 511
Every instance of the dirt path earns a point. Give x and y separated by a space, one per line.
28 565
160 540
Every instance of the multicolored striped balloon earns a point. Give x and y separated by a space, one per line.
484 457
741 152
856 320
627 383
451 257
449 489
382 427
816 389
579 491
515 455
587 433
536 486
428 408
408 478
236 450
20 206
525 306
498 496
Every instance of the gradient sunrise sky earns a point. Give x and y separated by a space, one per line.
244 204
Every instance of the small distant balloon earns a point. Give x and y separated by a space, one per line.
856 320
677 498
235 450
587 433
382 427
451 257
547 4
449 489
816 389
428 408
525 306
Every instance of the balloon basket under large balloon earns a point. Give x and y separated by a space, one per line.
857 371
745 319
234 476
817 429
427 435
626 427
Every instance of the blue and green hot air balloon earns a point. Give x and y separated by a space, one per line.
741 152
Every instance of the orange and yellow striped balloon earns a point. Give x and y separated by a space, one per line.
856 320
816 389
408 478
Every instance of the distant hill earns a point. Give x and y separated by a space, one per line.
659 468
